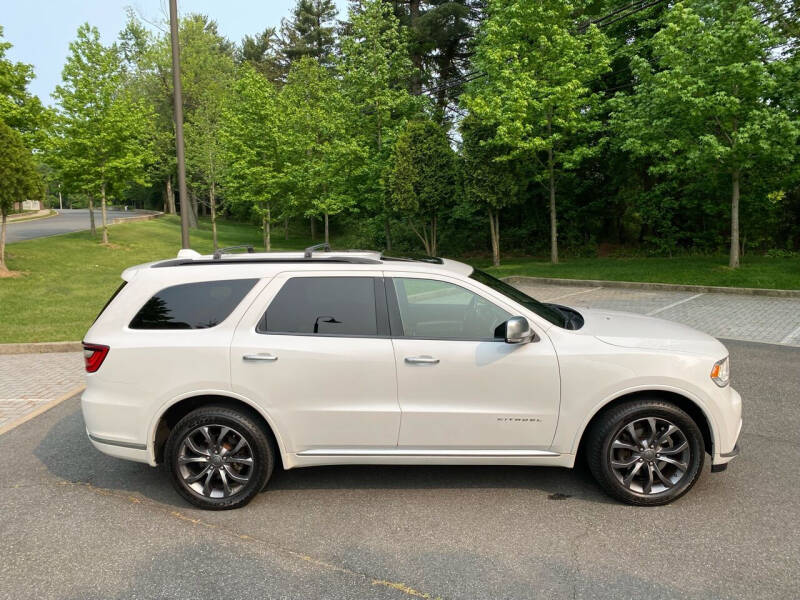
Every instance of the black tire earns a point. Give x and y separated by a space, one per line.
612 423
215 420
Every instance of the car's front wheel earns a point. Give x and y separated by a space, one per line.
219 458
646 452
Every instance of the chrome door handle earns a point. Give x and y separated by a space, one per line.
422 360
266 357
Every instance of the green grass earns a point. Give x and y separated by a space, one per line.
65 280
756 271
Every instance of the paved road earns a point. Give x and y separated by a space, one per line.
732 316
78 524
67 221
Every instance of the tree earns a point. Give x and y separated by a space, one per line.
19 177
252 144
375 69
102 133
322 155
263 52
489 182
206 59
20 109
422 179
705 104
536 87
310 31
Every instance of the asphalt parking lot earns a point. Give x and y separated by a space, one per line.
78 524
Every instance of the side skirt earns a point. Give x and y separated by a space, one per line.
411 456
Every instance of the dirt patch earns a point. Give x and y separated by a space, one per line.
7 274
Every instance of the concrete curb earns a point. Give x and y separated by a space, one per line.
41 409
40 347
666 287
147 217
42 214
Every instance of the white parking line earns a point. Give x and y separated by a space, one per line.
794 333
575 293
663 308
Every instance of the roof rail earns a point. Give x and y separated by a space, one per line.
311 249
218 254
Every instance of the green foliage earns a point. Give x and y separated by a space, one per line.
536 90
18 107
102 132
251 137
422 179
309 33
18 174
704 106
322 158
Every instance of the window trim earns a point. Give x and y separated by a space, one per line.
396 321
381 309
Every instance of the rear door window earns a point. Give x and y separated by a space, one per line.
192 305
334 306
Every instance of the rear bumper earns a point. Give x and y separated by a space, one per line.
120 449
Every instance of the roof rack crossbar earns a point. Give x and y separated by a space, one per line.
218 254
311 249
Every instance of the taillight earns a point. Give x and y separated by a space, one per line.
93 356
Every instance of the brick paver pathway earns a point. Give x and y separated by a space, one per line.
731 316
27 381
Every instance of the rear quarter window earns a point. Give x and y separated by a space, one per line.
192 305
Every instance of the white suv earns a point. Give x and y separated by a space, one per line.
223 366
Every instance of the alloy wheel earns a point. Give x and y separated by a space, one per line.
215 461
650 455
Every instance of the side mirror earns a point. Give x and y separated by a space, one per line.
517 331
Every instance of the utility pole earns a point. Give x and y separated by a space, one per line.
177 97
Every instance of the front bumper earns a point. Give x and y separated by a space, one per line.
728 456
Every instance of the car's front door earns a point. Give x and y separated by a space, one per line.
314 351
461 387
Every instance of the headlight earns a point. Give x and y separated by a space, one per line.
721 372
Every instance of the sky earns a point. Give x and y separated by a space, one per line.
41 30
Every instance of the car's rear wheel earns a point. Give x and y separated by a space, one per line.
219 458
646 452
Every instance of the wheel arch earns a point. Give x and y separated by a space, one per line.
174 411
682 401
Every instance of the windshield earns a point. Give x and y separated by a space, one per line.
546 312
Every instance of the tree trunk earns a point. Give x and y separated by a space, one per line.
92 228
193 210
4 213
267 233
494 228
285 228
170 196
327 237
212 201
313 228
103 212
434 243
734 262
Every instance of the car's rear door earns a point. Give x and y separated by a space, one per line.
314 351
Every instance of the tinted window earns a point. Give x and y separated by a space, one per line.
547 312
192 305
323 305
437 309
